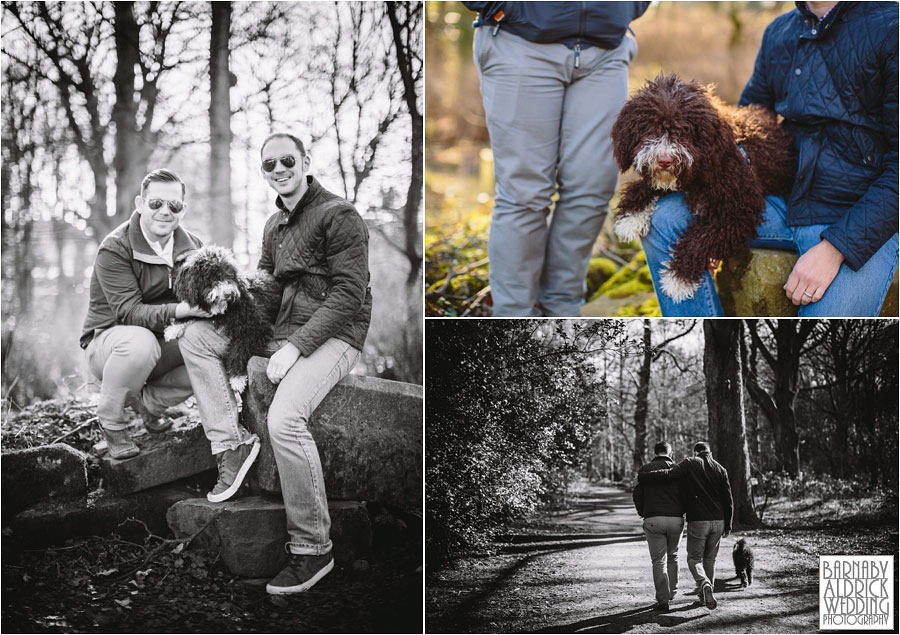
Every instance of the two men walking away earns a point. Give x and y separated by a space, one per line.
708 505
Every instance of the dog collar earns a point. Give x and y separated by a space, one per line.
740 146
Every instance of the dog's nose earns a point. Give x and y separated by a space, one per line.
665 160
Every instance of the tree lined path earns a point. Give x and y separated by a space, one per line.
588 571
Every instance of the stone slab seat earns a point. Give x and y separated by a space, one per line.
180 451
250 533
35 474
750 284
368 432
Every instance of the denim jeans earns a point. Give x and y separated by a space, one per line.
132 359
852 293
703 537
549 112
663 534
299 467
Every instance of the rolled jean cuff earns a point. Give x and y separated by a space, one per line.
115 426
218 448
306 549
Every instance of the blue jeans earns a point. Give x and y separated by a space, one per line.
663 534
302 389
549 112
852 293
703 537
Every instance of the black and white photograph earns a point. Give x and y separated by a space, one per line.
648 476
212 319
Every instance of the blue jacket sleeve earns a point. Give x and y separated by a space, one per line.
873 219
759 88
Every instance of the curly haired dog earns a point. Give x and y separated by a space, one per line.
726 160
243 306
743 558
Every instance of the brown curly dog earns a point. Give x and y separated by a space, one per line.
726 160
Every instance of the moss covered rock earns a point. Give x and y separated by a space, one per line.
750 284
599 271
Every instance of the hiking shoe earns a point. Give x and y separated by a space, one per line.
119 444
301 573
661 606
233 467
708 598
153 423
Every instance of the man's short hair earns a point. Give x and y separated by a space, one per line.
662 448
701 446
285 135
161 176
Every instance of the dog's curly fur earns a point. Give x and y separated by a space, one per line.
243 305
681 138
742 555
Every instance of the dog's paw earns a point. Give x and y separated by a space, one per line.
634 226
174 331
675 287
238 384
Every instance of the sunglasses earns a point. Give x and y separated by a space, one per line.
269 164
176 206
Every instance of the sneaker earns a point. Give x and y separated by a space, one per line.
233 467
153 423
301 573
661 606
119 444
708 598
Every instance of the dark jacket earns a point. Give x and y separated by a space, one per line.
130 283
664 498
706 484
835 83
320 251
581 24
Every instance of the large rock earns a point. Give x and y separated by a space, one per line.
249 533
54 522
369 435
36 474
181 451
750 284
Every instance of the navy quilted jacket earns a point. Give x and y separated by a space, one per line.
835 83
320 251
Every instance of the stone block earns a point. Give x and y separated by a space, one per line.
181 451
368 432
36 474
750 284
54 522
249 533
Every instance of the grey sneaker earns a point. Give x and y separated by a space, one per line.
708 598
233 467
119 444
301 574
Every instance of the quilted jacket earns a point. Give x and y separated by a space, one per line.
580 24
131 283
835 83
320 251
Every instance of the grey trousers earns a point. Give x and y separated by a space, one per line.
550 124
663 535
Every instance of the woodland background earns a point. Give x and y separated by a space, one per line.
96 94
801 413
712 42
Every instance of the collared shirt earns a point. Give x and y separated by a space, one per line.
164 252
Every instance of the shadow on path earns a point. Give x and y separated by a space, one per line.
624 621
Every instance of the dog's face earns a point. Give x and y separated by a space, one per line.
209 279
665 130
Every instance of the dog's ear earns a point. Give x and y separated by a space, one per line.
626 137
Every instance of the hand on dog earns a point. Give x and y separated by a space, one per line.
280 363
813 273
185 310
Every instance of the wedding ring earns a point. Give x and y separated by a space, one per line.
807 294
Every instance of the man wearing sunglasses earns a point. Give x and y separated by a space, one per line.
316 244
131 302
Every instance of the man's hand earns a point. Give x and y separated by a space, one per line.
812 274
280 363
185 310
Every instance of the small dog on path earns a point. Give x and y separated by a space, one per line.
742 555
726 160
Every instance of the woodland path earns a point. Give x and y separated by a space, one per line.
588 571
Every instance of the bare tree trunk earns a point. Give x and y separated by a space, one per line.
130 162
725 396
222 231
640 408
